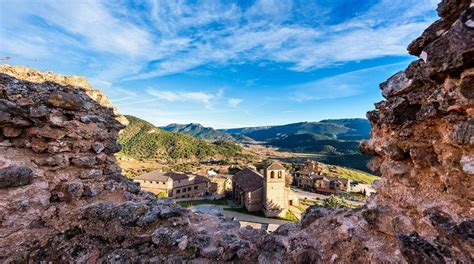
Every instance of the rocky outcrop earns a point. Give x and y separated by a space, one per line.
62 197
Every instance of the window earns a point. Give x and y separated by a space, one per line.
195 187
178 191
279 175
189 189
184 189
272 175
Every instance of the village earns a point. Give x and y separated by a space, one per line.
264 196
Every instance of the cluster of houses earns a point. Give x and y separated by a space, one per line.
311 177
256 190
184 185
263 190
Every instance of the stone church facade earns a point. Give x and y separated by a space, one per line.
264 191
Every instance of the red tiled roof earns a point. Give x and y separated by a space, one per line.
248 180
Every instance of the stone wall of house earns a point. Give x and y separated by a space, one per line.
62 197
254 200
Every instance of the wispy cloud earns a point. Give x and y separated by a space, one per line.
113 41
340 86
204 98
234 102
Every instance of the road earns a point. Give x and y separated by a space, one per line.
316 196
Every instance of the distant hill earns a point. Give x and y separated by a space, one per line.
199 131
316 144
336 141
354 129
142 140
332 151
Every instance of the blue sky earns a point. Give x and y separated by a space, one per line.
221 63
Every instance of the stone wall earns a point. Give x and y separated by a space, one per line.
62 197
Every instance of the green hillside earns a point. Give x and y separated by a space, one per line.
142 140
197 130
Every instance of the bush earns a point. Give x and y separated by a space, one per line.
335 202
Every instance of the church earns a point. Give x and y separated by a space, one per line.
265 191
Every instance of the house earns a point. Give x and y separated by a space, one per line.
312 177
172 184
327 184
220 184
264 192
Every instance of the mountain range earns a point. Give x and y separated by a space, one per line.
335 140
342 129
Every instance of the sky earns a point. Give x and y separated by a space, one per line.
221 63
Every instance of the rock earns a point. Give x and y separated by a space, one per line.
90 174
47 132
396 169
75 190
128 213
451 9
463 133
98 147
68 101
57 119
40 111
313 213
415 249
467 163
15 176
164 236
11 132
394 152
169 211
208 209
423 156
92 119
85 161
396 84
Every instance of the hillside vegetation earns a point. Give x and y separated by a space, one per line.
142 140
199 131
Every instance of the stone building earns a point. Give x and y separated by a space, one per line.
264 192
312 177
175 185
220 184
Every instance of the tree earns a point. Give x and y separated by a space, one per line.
335 202
162 195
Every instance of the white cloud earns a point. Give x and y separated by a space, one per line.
109 41
196 97
342 85
268 34
234 102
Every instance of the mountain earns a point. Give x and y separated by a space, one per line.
142 140
345 129
331 151
335 141
199 131
316 144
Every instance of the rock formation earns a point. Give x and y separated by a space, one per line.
62 197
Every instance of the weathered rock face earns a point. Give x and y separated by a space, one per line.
62 197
